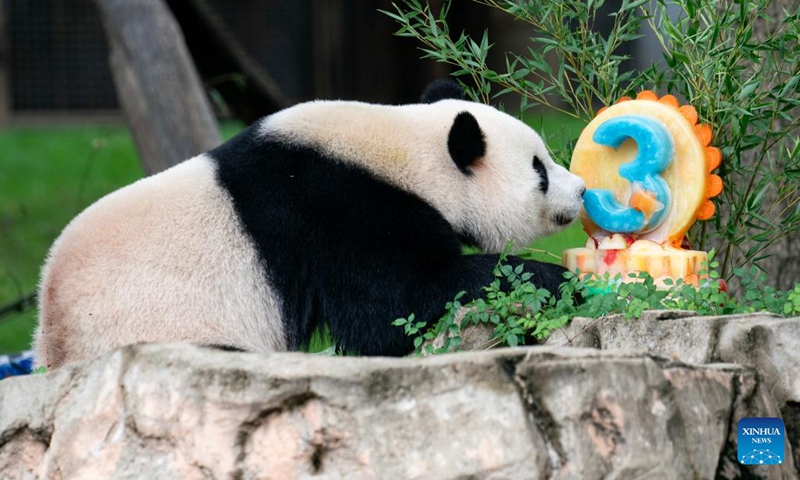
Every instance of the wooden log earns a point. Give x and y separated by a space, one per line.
162 98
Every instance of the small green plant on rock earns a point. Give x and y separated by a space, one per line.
516 309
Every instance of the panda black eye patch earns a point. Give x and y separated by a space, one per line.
544 182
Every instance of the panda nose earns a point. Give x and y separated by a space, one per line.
581 192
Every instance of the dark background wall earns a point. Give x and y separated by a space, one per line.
54 57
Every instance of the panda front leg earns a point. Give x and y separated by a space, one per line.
361 323
479 272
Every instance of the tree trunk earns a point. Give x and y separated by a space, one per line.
163 101
248 90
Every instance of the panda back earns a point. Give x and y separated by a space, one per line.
159 260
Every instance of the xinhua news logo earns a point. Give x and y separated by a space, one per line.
761 441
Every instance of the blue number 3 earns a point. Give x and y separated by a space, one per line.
644 172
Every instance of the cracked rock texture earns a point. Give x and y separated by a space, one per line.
768 344
183 412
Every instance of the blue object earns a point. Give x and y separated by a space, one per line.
761 440
18 364
655 154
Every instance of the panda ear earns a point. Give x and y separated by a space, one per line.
465 142
442 89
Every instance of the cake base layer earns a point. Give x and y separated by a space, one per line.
642 256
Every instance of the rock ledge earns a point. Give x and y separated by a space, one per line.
177 411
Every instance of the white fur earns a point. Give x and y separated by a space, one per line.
407 146
160 260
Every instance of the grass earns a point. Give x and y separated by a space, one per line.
49 175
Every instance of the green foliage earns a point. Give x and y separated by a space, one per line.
738 65
734 61
320 341
515 308
567 61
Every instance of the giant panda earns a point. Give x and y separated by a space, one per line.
340 213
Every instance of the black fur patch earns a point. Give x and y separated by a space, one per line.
465 141
544 180
342 247
226 348
442 90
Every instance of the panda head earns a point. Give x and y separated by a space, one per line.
510 189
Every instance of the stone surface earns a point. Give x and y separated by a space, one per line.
176 411
770 345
